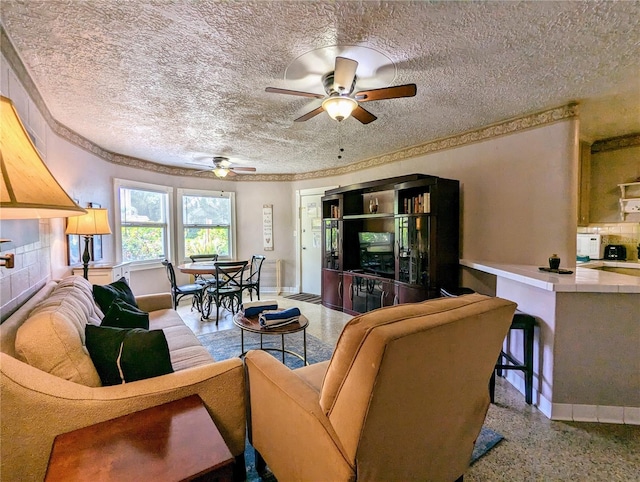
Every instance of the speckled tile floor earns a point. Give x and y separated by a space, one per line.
534 449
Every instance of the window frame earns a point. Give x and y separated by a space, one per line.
180 226
169 234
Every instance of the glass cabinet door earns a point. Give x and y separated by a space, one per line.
413 234
331 258
370 293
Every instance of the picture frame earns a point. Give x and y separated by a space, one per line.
95 245
75 244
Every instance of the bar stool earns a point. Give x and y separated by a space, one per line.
506 361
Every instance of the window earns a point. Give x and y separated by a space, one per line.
207 219
144 221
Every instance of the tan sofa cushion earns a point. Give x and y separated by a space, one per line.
60 320
52 338
184 348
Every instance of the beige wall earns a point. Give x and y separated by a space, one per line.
518 193
518 197
608 169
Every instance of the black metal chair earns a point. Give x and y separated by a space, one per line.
226 291
203 258
252 283
179 292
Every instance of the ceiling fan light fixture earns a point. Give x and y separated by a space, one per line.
339 107
221 171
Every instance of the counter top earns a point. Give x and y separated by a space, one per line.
583 279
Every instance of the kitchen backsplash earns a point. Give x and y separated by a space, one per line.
627 234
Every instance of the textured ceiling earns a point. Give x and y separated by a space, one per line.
171 81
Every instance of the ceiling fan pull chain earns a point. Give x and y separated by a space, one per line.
340 148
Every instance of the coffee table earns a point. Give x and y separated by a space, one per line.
252 324
169 442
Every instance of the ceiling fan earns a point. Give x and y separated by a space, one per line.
222 167
342 102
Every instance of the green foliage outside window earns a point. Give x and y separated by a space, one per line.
206 241
142 243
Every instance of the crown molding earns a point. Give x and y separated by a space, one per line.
499 129
615 143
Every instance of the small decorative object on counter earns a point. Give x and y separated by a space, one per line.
554 261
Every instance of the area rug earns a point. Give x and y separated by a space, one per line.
226 344
306 297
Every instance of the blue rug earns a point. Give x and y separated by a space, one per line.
226 344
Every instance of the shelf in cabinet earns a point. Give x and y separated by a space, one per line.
413 214
367 216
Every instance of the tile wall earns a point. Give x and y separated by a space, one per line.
32 269
627 234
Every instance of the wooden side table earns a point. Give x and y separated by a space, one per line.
170 442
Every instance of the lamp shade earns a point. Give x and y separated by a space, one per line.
339 107
95 221
27 189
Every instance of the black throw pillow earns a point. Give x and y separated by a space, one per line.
125 355
123 315
105 294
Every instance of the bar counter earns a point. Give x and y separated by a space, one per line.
587 348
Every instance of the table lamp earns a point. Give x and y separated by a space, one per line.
93 223
28 190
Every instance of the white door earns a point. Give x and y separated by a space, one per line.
311 243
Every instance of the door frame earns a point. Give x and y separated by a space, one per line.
298 231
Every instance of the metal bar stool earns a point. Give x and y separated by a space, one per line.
506 361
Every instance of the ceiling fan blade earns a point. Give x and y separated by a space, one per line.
246 169
345 72
230 173
309 115
363 115
275 90
407 90
203 170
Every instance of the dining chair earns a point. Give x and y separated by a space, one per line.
203 258
252 283
180 291
226 291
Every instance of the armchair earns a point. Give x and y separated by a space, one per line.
403 397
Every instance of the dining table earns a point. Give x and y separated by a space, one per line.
200 268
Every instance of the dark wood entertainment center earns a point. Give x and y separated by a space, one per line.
389 241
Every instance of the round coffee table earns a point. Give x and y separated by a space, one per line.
252 324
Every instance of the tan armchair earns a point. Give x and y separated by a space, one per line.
403 397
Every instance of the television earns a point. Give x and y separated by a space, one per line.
376 253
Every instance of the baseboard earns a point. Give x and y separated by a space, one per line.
271 290
578 412
595 413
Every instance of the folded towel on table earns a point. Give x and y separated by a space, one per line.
252 308
272 319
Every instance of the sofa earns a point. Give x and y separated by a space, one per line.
49 385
